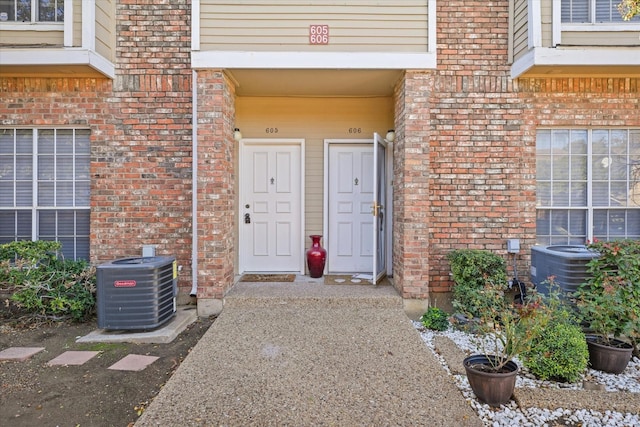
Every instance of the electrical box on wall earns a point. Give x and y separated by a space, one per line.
513 246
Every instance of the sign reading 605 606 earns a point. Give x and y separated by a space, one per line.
318 34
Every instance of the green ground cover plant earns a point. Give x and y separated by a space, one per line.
436 319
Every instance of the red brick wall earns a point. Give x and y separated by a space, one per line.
411 205
465 155
141 191
216 184
140 131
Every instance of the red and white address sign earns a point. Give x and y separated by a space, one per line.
318 34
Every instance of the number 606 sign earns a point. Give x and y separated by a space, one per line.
318 34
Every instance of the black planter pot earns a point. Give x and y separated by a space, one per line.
608 358
492 388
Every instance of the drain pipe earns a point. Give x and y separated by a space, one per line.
194 184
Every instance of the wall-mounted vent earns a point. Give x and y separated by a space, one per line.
136 293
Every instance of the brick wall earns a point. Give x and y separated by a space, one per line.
140 131
141 190
216 184
471 130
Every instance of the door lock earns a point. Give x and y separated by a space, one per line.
247 218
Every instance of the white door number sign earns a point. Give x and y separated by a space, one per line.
318 34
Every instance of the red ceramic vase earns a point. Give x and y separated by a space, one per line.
316 257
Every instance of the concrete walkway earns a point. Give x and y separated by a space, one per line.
309 354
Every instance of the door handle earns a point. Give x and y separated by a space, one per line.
247 218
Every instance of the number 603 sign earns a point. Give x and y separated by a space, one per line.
318 34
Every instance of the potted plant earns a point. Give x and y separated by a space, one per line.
503 329
609 303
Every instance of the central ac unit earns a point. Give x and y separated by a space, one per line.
136 293
566 263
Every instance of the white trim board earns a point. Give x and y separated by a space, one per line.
65 56
313 60
542 56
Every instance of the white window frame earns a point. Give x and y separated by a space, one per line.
34 24
593 26
36 208
589 208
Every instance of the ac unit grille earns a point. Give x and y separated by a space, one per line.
136 293
567 264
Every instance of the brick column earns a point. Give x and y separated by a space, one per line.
411 190
216 189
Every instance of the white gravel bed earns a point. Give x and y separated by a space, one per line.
512 415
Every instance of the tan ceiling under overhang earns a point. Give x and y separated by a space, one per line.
314 83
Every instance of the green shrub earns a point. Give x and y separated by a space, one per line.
30 251
472 269
559 354
609 301
44 285
435 318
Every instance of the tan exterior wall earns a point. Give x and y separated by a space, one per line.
77 23
600 38
520 28
356 26
546 15
105 29
31 37
314 120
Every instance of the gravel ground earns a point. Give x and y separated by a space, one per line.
545 403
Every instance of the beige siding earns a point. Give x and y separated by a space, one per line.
520 29
599 38
546 12
105 28
283 25
32 38
77 23
313 119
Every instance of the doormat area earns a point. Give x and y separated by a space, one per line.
344 279
268 278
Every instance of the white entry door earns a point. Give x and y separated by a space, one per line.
350 198
270 222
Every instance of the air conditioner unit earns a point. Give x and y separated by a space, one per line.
136 293
567 263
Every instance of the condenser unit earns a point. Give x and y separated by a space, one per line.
566 263
136 293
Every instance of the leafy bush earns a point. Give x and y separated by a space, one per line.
44 285
472 269
435 318
609 301
559 354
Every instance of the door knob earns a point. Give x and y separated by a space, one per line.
247 218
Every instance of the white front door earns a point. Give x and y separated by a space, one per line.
350 198
270 222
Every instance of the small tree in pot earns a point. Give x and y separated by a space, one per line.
609 303
503 329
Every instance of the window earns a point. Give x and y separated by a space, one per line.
591 12
44 187
32 10
588 185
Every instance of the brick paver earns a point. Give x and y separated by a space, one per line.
73 358
133 362
19 353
